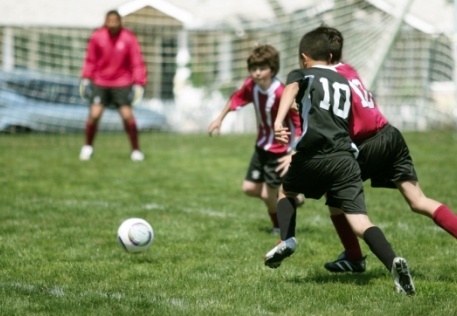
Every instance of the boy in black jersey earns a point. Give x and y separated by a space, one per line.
324 162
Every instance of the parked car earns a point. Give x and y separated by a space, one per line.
38 102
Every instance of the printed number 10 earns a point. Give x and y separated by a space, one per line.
341 110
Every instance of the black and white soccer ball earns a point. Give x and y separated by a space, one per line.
135 235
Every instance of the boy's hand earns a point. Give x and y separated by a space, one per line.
281 134
283 166
215 125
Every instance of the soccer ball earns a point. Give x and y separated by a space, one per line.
135 235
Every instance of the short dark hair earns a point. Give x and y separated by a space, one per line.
264 55
113 12
336 41
316 44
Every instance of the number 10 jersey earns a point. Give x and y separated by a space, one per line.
324 102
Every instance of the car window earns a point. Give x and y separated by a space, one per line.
45 91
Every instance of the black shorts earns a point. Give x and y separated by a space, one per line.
384 158
336 175
112 97
262 168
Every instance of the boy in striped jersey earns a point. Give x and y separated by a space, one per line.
269 161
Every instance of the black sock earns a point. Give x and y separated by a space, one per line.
378 243
287 213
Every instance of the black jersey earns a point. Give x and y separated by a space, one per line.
324 102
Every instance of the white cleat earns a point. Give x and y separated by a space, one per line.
137 155
402 277
86 152
282 250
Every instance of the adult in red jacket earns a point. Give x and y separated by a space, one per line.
113 74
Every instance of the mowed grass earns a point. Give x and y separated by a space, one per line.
59 217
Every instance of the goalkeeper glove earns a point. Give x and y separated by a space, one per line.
137 94
85 88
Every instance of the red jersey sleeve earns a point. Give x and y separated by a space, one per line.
242 96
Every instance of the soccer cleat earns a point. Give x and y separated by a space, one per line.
343 264
299 201
402 278
282 250
137 155
86 152
275 231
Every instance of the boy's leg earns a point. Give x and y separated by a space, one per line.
420 203
287 214
287 217
379 245
348 238
269 196
351 259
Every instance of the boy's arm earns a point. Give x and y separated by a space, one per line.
239 98
284 162
217 123
287 101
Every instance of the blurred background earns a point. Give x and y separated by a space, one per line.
196 51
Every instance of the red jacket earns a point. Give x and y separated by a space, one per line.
114 61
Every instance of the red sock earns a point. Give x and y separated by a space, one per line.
91 130
444 218
348 238
132 132
274 219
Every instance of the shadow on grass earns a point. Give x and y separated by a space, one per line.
140 259
298 230
344 278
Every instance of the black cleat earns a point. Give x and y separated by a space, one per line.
343 264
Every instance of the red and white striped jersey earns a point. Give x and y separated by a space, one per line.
366 119
266 105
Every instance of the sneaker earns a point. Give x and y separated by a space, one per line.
402 277
86 152
282 250
299 200
137 155
343 264
275 231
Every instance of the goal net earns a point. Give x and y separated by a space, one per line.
196 51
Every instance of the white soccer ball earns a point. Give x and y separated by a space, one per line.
135 235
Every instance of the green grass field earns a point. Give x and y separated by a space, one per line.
59 217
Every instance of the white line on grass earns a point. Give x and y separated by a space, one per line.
59 292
